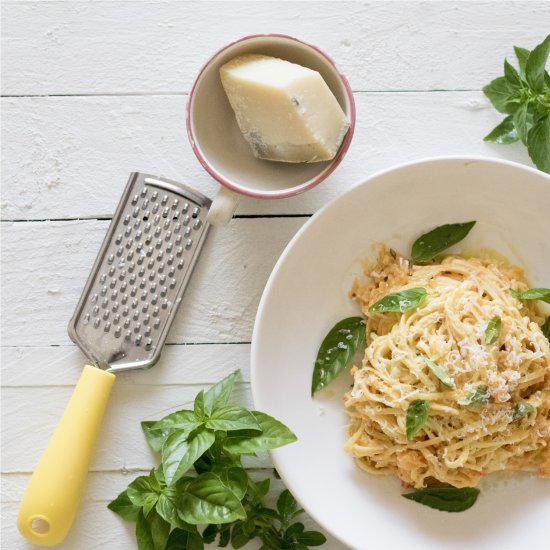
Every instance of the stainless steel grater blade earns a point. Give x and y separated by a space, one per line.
140 274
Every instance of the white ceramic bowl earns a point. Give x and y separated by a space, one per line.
308 292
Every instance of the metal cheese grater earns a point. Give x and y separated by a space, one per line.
120 323
140 274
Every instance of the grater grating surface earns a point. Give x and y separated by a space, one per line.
140 274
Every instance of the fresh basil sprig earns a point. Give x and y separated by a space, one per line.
446 499
201 480
522 409
398 302
524 96
429 245
440 373
336 351
492 332
417 414
479 396
532 294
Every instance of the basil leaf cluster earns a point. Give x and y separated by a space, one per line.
201 481
523 95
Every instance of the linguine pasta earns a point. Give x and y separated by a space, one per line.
460 441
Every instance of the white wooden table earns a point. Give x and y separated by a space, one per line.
95 90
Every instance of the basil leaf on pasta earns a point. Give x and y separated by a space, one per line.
417 414
522 409
398 302
479 396
492 332
429 245
532 294
336 350
546 328
440 372
446 499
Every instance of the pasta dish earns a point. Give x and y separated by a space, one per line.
472 354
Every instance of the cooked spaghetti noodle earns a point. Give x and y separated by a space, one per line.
459 442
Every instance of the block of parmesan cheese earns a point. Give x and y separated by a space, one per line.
285 111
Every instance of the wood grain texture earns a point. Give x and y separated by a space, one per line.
71 156
47 263
143 47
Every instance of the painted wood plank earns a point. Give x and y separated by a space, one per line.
179 364
45 266
31 414
95 526
71 156
62 47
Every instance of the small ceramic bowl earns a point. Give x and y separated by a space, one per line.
218 143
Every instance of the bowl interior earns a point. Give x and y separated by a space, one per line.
218 139
307 294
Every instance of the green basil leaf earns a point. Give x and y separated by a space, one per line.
538 143
312 538
504 133
398 302
429 245
520 122
545 327
235 478
238 537
492 332
535 65
417 414
198 406
479 396
447 499
515 293
179 452
286 505
231 418
522 54
155 438
184 540
440 373
274 434
258 489
180 420
151 532
218 395
501 96
533 294
512 76
140 493
522 409
207 500
336 351
124 507
167 507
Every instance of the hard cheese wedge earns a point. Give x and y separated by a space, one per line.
285 111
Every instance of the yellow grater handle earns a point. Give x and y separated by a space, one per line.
52 496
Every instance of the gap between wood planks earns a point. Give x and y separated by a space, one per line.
168 93
109 218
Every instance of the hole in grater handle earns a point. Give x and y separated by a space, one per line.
140 274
